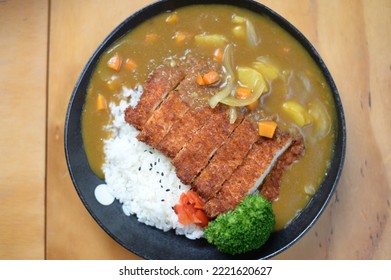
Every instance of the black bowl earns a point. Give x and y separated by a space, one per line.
151 243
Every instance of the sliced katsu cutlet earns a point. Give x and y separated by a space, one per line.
250 174
183 130
170 111
174 110
271 187
156 88
196 153
226 159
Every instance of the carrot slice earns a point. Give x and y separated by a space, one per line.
114 62
211 77
181 37
130 64
101 103
200 80
218 54
243 93
172 18
267 128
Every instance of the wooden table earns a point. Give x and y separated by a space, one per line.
44 46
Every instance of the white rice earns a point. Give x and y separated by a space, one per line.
140 177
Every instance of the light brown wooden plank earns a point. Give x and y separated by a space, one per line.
23 53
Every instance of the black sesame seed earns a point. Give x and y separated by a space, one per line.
139 169
167 190
162 174
162 200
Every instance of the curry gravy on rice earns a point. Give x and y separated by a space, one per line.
251 55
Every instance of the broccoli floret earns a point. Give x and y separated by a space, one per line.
245 228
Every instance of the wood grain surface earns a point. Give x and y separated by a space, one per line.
23 61
44 46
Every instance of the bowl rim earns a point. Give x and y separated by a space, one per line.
75 153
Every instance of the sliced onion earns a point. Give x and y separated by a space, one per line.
252 38
304 79
233 115
320 118
213 101
228 88
236 102
228 60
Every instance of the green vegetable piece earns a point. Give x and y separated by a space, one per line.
243 229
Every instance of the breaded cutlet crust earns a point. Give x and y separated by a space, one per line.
156 88
226 159
246 177
169 112
159 110
196 153
183 130
271 187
